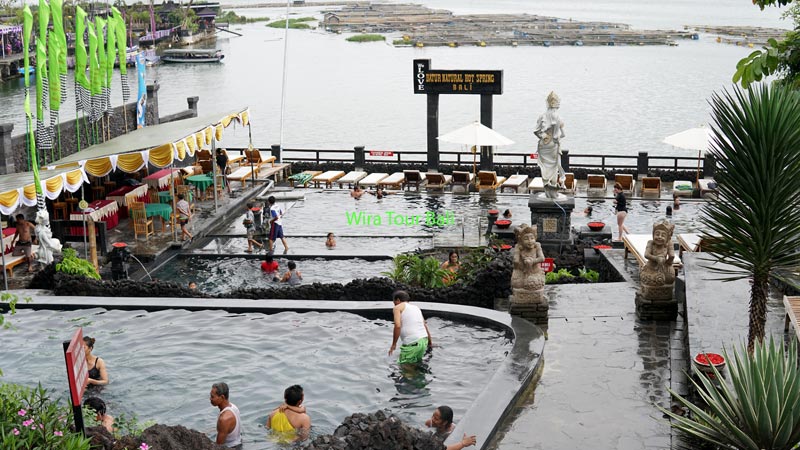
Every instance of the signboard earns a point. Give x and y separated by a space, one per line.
428 81
534 156
77 369
381 153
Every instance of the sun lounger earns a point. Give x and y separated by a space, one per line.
237 159
462 178
636 244
437 181
373 179
694 242
258 158
682 188
394 181
706 187
792 307
303 178
242 174
414 178
351 178
14 261
569 183
328 178
597 184
536 185
514 182
627 182
488 179
651 185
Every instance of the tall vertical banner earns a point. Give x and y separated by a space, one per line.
141 102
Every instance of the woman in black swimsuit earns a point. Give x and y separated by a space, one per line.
622 209
97 367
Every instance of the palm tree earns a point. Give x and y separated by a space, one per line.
757 215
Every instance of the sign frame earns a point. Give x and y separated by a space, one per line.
474 82
77 374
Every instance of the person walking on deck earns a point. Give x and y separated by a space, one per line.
276 225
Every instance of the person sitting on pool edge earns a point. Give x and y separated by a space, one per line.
99 407
291 416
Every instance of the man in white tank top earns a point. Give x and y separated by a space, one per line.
229 432
410 326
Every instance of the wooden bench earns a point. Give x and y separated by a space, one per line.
514 182
14 261
792 306
393 181
352 178
281 171
328 178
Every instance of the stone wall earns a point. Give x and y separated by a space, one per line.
13 149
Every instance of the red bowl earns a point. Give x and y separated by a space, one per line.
493 212
502 223
702 359
505 247
596 226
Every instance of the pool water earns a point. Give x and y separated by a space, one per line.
222 275
162 364
315 245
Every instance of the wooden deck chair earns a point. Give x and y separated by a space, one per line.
536 185
372 179
597 183
351 178
204 160
13 261
437 181
256 158
414 178
141 223
706 186
682 188
488 179
569 183
241 174
393 181
462 178
238 159
627 182
514 182
791 305
651 185
152 196
328 178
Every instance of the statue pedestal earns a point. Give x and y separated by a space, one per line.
530 305
656 302
553 219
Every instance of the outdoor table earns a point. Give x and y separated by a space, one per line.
166 197
202 182
160 180
125 195
158 210
8 236
100 211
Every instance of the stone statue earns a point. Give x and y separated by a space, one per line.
47 245
657 277
550 130
527 279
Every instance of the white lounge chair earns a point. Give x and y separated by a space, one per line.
651 185
241 174
373 179
414 178
706 187
636 244
514 182
488 179
536 185
627 182
682 188
328 178
437 181
351 178
597 184
569 183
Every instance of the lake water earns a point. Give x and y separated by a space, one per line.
162 364
615 100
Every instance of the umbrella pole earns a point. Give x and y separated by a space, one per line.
699 152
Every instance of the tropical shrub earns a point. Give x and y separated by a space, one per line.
29 419
293 23
759 410
416 271
73 265
474 262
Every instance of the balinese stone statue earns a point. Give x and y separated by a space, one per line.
657 277
47 245
527 279
550 130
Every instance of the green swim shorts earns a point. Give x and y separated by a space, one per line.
413 353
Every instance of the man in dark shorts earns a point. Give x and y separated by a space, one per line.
24 240
276 226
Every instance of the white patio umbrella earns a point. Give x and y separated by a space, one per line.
476 134
699 139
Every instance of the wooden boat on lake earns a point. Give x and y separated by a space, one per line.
192 55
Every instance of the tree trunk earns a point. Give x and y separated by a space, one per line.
758 310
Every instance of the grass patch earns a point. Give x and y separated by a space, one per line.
232 17
293 23
401 42
366 38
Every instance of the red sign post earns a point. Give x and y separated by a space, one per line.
77 374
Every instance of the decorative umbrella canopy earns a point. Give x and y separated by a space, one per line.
692 139
476 134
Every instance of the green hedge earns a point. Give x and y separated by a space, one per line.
366 38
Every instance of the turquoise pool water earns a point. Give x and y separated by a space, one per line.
162 364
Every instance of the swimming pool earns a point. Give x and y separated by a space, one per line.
162 364
225 274
335 211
